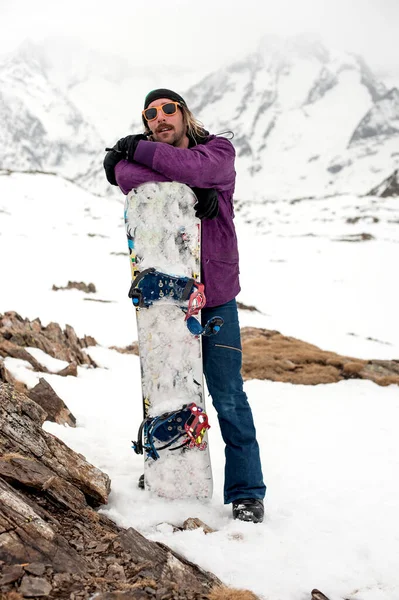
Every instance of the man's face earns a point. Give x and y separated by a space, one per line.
169 129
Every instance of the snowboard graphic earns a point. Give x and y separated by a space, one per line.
164 239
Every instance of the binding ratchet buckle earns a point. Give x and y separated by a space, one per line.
196 300
186 426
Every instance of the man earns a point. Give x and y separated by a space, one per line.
175 147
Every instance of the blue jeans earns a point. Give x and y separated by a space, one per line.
222 359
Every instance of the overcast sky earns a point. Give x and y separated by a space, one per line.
206 33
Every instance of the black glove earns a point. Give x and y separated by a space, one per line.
124 149
207 206
110 161
128 145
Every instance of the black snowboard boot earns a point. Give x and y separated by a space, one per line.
248 509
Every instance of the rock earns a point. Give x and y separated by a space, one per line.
67 549
89 288
11 349
228 593
32 474
271 355
356 237
242 306
35 568
11 573
135 594
132 349
195 523
71 369
381 121
388 187
19 332
6 377
57 411
21 433
116 571
34 587
98 548
318 595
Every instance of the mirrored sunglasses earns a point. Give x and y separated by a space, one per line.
169 108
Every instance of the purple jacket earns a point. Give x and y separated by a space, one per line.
208 165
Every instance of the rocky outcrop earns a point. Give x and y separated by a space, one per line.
382 120
56 409
17 333
271 355
29 453
53 542
81 286
388 187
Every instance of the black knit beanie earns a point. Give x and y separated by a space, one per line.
161 93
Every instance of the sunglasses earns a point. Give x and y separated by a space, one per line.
169 108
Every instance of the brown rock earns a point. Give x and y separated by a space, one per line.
228 593
131 349
195 523
8 348
318 595
35 568
21 433
271 355
88 341
242 306
88 288
29 535
57 411
64 345
116 571
32 474
71 369
6 377
135 594
11 573
352 368
34 587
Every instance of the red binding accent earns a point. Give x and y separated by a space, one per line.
196 426
196 301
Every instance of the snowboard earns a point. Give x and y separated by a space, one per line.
164 239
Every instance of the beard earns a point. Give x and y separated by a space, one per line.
172 137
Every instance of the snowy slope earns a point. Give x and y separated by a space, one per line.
329 452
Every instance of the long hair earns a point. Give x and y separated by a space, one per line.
195 129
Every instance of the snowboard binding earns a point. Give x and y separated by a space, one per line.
190 423
151 285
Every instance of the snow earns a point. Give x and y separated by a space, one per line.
330 452
52 364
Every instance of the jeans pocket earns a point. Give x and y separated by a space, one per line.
228 347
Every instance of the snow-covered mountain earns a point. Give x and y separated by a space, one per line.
107 88
41 129
307 121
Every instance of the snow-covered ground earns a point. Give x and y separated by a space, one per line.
330 452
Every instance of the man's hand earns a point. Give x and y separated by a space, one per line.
124 149
207 206
127 145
